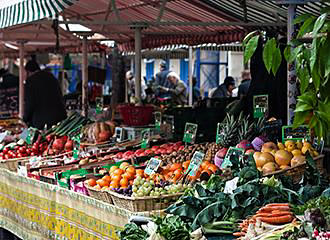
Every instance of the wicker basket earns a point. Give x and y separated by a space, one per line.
99 194
297 172
143 204
10 165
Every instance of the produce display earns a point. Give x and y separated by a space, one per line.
282 156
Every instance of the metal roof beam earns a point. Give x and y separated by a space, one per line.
114 7
161 11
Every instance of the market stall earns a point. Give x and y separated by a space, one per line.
235 175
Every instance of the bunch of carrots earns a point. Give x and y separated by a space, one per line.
274 214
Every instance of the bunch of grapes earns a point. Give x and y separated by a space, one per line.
124 191
143 188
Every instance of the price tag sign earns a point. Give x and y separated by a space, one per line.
119 133
76 147
217 140
28 135
231 152
152 166
158 120
195 162
145 135
299 133
190 132
99 105
22 171
260 106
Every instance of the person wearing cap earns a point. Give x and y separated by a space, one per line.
226 89
178 92
43 100
161 79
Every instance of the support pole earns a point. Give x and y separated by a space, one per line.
190 76
84 78
138 58
292 77
21 79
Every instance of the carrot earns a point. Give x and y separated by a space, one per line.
280 213
277 220
239 234
277 204
270 209
263 215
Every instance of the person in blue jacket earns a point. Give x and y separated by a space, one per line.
225 90
161 80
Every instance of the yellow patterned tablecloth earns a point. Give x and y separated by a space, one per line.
36 210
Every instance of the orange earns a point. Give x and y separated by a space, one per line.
178 172
116 178
102 183
212 167
124 165
124 183
107 178
175 166
127 176
139 172
118 171
112 169
186 164
205 164
131 170
131 182
92 182
114 184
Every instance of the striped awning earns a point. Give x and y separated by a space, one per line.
14 12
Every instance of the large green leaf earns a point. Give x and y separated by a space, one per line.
306 27
287 53
319 23
325 56
314 51
300 118
302 107
304 77
250 48
277 59
324 107
316 78
301 18
268 53
294 53
248 37
313 122
308 98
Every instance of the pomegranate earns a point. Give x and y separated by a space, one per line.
245 144
222 153
68 145
58 144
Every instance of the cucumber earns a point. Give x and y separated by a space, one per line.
73 128
64 123
70 126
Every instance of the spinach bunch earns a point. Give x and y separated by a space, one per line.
172 228
133 232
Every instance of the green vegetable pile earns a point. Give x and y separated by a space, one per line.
172 228
133 232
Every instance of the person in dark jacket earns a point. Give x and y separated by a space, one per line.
226 89
44 105
161 80
245 84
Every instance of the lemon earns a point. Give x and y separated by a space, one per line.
288 142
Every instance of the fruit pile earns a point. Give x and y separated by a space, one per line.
282 156
20 151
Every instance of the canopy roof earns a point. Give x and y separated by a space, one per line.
14 12
182 21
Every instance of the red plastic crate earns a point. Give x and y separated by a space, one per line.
136 115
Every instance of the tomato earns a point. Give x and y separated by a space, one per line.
17 147
22 149
28 151
32 154
149 152
5 150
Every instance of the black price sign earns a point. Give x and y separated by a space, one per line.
260 106
231 152
8 103
299 133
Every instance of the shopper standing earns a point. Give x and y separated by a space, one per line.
43 100
245 84
161 79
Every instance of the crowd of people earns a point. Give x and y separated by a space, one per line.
168 85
